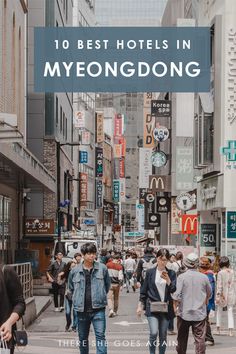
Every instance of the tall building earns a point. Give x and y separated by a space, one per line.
128 13
21 172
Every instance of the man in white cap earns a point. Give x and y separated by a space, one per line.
191 296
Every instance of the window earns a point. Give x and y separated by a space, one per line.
60 118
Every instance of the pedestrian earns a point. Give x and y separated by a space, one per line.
129 268
12 304
54 273
172 265
89 283
225 294
77 257
205 268
179 264
68 298
155 299
148 261
104 256
115 271
192 295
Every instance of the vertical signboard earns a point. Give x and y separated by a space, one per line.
122 190
184 168
145 167
99 161
79 119
116 190
116 214
208 235
83 189
151 218
149 125
99 128
140 216
231 224
85 137
99 193
175 218
122 167
118 130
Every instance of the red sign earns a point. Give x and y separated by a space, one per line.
122 167
118 125
189 224
83 188
122 142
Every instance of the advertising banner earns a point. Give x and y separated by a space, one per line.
122 167
39 226
163 204
175 218
189 224
116 214
116 190
161 108
208 235
231 224
145 167
85 137
83 187
99 128
118 128
79 119
184 168
160 183
117 151
122 190
83 157
140 216
148 127
99 193
99 161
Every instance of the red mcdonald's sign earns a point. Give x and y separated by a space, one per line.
189 224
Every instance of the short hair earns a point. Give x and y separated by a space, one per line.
163 252
116 256
88 247
77 254
179 256
103 252
148 249
224 262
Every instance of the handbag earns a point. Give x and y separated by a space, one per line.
20 338
3 347
158 307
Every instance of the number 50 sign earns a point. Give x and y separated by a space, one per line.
208 235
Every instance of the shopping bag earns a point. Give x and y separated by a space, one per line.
3 347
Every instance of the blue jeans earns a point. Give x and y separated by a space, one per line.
68 310
158 324
98 319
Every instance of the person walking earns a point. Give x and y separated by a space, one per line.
12 304
191 297
129 268
225 294
89 283
115 271
77 257
148 261
54 272
205 268
155 299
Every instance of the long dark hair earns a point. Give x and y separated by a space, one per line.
67 270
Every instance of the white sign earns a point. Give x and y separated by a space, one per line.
184 201
86 137
175 218
145 167
79 119
122 190
140 216
184 168
161 133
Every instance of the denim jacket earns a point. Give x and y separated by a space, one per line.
100 285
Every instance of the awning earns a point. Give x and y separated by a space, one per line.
207 102
89 214
142 239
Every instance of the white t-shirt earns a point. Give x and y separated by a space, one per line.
130 265
160 284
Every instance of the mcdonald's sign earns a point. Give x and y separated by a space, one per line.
189 224
159 183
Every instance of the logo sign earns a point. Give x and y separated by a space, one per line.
154 220
163 204
189 224
161 133
159 183
159 159
99 128
99 161
229 151
231 224
86 137
116 190
99 193
150 198
184 201
208 235
79 119
161 108
142 192
83 157
83 187
89 222
116 214
39 227
149 209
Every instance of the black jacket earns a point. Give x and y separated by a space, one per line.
149 292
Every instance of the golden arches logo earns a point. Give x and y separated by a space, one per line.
157 181
191 222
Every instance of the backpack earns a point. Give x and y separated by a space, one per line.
182 269
147 265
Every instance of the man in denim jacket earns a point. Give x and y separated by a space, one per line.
89 283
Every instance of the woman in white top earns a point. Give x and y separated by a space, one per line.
157 288
225 294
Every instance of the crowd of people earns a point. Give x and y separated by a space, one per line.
171 286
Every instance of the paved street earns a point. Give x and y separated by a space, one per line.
125 333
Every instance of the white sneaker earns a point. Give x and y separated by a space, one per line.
61 309
209 343
56 309
111 313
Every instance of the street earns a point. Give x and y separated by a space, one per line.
125 333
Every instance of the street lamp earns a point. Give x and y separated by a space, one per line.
58 155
